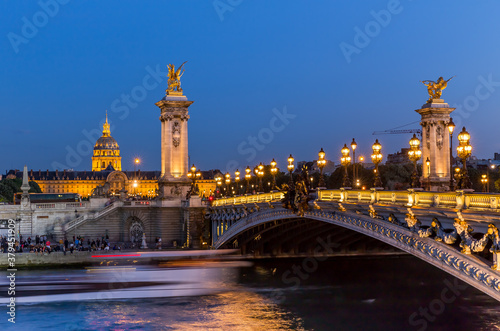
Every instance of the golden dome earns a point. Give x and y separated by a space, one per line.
106 151
106 141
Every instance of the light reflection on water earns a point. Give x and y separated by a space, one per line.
237 310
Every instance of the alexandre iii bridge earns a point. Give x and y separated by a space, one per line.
456 231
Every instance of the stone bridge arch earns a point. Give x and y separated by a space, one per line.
228 223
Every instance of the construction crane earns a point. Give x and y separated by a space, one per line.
401 131
417 131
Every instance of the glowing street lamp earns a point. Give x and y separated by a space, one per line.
218 180
484 181
414 154
464 150
376 159
193 175
321 164
228 182
353 147
290 168
136 164
260 174
345 160
428 164
237 178
248 177
451 127
274 171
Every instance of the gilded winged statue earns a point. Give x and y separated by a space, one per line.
435 88
174 77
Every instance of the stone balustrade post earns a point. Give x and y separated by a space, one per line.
412 197
460 199
374 195
436 200
343 195
493 203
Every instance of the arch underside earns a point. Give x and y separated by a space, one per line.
281 233
303 237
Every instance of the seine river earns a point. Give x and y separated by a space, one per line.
390 293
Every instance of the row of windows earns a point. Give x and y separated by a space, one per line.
103 164
106 153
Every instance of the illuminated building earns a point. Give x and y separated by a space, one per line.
106 173
106 151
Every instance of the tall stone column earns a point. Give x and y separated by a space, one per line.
435 116
174 183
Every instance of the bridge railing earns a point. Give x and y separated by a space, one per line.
456 199
254 198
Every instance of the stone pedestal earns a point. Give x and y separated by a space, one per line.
435 145
174 183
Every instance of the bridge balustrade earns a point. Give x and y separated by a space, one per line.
458 199
245 199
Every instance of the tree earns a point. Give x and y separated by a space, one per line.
397 176
6 192
10 186
34 188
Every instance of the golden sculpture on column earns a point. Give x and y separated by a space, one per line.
435 119
435 88
174 79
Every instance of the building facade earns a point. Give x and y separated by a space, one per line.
106 177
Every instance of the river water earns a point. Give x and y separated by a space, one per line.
382 293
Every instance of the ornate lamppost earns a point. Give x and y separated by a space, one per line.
428 164
237 180
484 181
228 182
451 128
194 175
321 164
274 171
414 154
218 181
458 177
464 150
354 174
290 168
260 174
376 159
345 160
248 177
136 163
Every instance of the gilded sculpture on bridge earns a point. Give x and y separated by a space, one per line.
495 246
435 88
174 78
468 242
296 197
439 233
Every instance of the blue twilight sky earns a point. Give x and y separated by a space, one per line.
268 78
